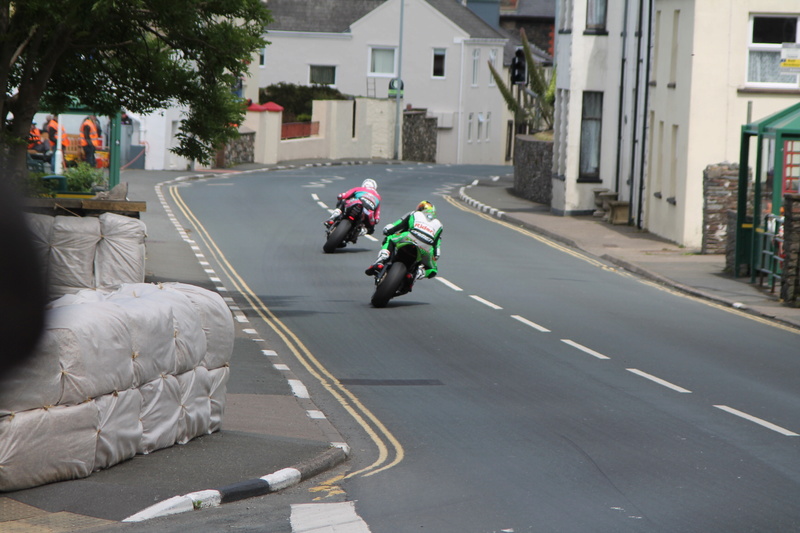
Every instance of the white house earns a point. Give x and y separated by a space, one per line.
692 73
355 46
715 66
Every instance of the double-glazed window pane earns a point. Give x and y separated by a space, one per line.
438 62
596 15
322 75
382 61
591 126
764 54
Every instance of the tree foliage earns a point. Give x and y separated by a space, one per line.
296 100
140 55
536 104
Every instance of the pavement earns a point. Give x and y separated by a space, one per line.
269 418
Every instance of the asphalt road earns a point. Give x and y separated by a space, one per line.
528 388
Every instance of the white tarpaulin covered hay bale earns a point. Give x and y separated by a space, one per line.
117 373
89 252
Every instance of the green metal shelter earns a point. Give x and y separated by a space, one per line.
775 173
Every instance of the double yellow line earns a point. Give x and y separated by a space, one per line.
390 451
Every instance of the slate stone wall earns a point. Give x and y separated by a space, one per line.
533 164
419 136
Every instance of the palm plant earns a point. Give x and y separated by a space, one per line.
537 95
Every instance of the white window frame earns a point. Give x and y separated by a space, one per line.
443 53
769 48
311 67
476 62
370 62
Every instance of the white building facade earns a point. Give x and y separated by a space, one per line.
442 62
651 92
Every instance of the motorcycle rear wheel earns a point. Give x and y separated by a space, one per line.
337 236
388 286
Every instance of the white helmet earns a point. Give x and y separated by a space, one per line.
370 184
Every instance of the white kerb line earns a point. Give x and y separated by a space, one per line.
531 324
659 381
584 349
759 421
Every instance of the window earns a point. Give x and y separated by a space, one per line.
493 61
488 123
476 59
767 34
596 16
262 57
591 123
381 61
565 16
469 127
480 127
438 62
322 75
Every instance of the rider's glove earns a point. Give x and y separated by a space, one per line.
420 272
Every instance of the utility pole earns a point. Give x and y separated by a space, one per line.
399 86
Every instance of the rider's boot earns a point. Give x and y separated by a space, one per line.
334 215
378 265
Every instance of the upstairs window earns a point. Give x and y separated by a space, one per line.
596 16
322 75
381 62
439 55
767 35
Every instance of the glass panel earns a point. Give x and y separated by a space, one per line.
322 75
438 62
382 61
765 67
591 123
774 30
596 15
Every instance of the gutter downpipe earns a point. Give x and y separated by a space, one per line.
620 111
643 146
460 103
637 85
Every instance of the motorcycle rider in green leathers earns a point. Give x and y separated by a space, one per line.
420 227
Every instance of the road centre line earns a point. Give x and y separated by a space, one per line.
759 421
449 284
584 349
659 380
531 324
484 302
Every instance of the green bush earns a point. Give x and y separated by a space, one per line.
83 177
296 99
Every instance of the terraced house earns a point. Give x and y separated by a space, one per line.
355 46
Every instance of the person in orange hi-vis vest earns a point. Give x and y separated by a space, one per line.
90 139
54 129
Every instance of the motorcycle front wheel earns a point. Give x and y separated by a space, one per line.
388 286
337 236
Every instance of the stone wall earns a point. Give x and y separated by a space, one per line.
419 136
533 164
790 279
720 193
238 151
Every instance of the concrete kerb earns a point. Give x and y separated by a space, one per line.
274 482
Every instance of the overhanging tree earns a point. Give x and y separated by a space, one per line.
140 55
